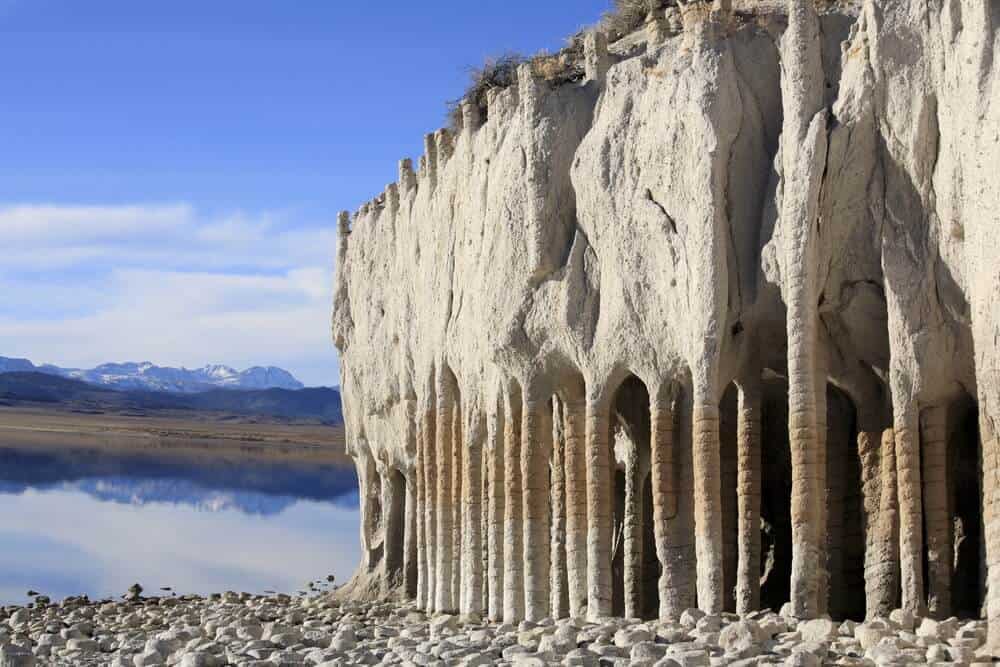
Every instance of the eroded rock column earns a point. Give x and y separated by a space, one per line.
457 494
664 484
599 510
410 537
472 543
911 541
876 451
574 429
421 502
708 504
748 494
537 497
558 593
495 513
429 429
513 554
633 534
937 522
444 598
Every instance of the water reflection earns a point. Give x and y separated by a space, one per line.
90 521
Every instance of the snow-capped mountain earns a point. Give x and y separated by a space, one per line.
148 376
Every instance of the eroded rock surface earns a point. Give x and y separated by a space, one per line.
734 297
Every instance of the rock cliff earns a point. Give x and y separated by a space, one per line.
715 326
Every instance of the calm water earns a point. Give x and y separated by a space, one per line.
82 521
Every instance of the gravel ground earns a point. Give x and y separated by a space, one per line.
250 630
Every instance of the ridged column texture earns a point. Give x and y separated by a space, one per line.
937 522
911 542
444 599
633 536
748 495
537 499
457 493
708 507
430 493
418 470
495 516
598 511
513 555
558 588
574 422
664 485
472 542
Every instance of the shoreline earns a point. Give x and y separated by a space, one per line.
205 435
262 631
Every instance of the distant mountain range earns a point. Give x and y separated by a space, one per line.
150 377
320 404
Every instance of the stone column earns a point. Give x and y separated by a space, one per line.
632 526
495 520
838 443
472 543
410 538
537 497
599 510
444 598
876 451
558 597
911 542
430 493
664 482
418 472
748 491
513 554
392 523
937 520
574 420
457 493
596 59
989 433
708 504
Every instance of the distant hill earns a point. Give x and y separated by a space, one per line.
150 377
320 404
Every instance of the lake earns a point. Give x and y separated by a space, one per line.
89 521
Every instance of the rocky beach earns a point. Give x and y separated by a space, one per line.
263 631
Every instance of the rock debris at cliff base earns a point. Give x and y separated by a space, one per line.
716 327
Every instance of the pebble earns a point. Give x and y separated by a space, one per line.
243 630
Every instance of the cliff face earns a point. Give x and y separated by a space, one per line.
745 272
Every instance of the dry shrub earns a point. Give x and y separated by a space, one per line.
500 72
627 16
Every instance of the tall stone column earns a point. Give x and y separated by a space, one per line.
418 472
574 422
708 504
911 541
410 538
632 526
392 523
599 510
472 500
444 598
664 484
748 491
429 429
838 444
937 522
457 493
495 516
537 497
513 554
558 593
876 451
989 433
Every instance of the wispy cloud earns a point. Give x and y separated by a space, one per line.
87 284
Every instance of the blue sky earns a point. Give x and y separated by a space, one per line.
170 171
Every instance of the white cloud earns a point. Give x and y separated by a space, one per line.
169 285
